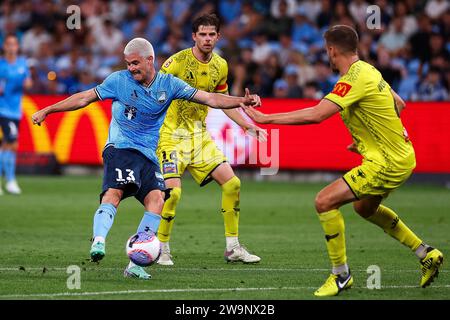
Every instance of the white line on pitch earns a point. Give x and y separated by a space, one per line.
91 268
75 294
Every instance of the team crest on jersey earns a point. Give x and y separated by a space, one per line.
162 96
130 112
341 89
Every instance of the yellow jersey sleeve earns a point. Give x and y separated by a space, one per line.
222 86
346 92
170 66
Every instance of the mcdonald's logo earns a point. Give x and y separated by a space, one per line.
341 89
62 142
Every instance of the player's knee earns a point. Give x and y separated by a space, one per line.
113 197
232 186
323 203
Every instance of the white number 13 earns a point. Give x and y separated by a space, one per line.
130 176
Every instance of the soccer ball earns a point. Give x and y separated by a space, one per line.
143 248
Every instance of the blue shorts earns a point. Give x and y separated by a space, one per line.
130 171
10 129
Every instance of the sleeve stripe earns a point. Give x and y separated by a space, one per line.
98 94
334 103
193 94
222 87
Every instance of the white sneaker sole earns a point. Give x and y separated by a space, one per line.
165 263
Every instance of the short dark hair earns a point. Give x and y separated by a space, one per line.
342 36
206 20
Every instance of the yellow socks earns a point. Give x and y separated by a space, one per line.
168 214
230 206
334 228
388 220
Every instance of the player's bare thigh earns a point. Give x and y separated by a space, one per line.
223 173
333 196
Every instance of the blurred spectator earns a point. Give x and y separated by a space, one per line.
246 23
173 43
237 79
431 89
325 15
261 47
305 71
312 7
263 41
391 73
419 41
288 47
280 25
272 69
437 47
291 76
358 10
108 37
280 89
324 76
33 38
275 7
395 39
312 91
435 8
229 10
304 30
409 21
259 85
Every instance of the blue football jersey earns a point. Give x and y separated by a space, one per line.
138 111
12 77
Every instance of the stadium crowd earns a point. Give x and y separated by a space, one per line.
274 47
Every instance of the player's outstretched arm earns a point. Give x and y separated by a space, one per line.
316 114
222 101
74 102
248 127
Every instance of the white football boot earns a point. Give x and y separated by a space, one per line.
12 187
240 254
165 259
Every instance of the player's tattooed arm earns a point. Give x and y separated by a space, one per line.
74 102
222 101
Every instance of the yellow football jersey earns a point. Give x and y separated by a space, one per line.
185 118
369 112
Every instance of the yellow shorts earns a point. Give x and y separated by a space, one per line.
370 179
200 155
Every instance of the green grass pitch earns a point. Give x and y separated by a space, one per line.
48 229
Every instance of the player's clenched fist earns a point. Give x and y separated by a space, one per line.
39 117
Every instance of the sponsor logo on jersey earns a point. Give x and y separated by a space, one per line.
130 112
168 62
341 89
169 167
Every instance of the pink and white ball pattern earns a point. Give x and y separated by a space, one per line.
143 248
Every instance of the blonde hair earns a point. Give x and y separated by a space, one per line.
140 46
